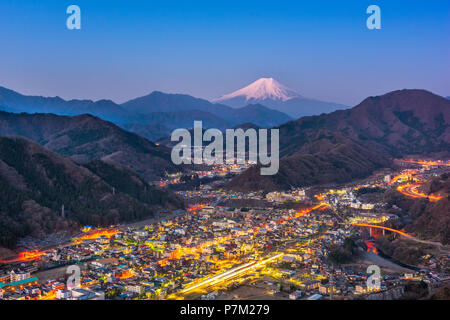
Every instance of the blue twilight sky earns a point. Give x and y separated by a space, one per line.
321 49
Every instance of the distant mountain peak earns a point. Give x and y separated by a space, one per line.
262 89
274 95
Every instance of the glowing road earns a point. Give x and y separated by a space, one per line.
425 163
232 273
26 256
411 187
250 266
384 228
411 190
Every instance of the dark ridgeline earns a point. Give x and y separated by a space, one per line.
92 155
85 138
153 116
154 104
349 144
36 182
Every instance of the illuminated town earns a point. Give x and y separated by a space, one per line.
217 249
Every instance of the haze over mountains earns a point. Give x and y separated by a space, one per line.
179 111
265 103
272 94
153 116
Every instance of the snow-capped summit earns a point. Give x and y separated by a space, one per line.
262 89
272 94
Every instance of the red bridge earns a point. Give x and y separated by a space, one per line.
370 226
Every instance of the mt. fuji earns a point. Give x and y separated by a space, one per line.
261 89
272 94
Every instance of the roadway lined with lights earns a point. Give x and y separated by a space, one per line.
384 228
411 190
26 256
250 266
408 184
426 163
232 273
411 187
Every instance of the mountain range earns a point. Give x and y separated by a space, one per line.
349 144
179 111
272 94
154 116
35 183
266 103
100 171
85 138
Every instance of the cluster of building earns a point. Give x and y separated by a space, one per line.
294 195
214 171
211 250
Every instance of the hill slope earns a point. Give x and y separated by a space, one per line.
405 121
36 182
157 125
347 144
428 220
85 138
433 221
324 157
176 104
15 102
